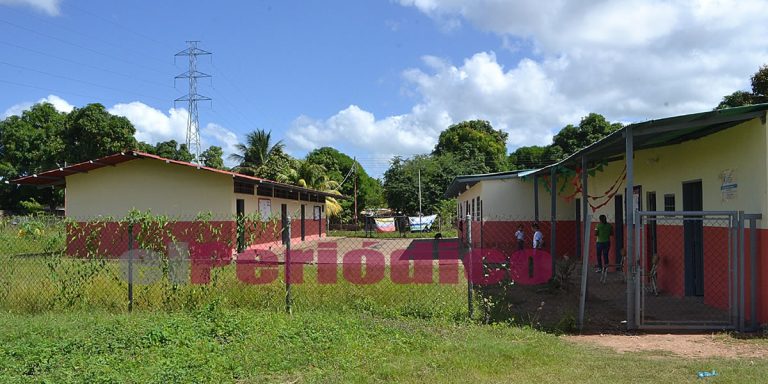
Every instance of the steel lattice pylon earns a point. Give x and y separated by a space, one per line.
192 97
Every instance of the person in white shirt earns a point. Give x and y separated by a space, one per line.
538 237
520 236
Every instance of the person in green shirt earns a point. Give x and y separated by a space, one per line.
604 232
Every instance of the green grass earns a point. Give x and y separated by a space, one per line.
394 235
239 346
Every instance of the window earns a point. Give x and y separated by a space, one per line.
479 209
265 209
473 209
466 209
316 213
669 202
244 188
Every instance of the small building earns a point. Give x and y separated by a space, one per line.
697 182
112 186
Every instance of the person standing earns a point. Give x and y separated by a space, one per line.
520 236
604 231
538 237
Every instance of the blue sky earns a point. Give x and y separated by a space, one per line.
379 78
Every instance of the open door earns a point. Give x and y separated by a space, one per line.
693 240
303 218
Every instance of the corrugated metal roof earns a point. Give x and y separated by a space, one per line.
662 132
58 176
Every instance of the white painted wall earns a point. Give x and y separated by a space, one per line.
147 184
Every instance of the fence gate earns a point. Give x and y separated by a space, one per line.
690 270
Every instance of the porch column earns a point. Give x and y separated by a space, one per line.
585 245
553 218
630 219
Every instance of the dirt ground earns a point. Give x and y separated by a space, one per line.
690 346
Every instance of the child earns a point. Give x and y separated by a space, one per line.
538 237
520 236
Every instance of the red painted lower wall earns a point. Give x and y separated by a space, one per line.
670 249
110 239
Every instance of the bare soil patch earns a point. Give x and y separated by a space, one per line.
690 346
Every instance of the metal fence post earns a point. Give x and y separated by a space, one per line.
753 271
740 279
584 271
130 267
288 298
468 265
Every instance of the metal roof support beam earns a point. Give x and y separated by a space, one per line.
553 218
654 130
630 217
585 253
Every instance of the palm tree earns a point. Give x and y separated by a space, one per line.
310 175
256 152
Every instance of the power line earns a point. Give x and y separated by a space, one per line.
133 77
80 46
147 37
76 80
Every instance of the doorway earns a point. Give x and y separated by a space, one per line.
693 239
303 217
618 233
240 214
285 222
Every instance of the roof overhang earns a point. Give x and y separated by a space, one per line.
661 133
57 177
464 182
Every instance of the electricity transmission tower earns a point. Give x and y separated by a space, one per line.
192 97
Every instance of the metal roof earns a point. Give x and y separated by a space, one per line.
461 183
58 176
662 132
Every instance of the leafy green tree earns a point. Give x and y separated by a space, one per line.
737 99
759 94
475 140
31 143
338 165
592 128
310 175
760 85
258 156
92 132
213 157
401 181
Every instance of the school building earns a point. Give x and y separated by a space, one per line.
699 183
112 186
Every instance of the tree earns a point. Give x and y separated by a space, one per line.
310 175
759 94
401 181
592 128
760 85
172 150
92 132
257 151
370 193
213 157
736 99
475 140
29 144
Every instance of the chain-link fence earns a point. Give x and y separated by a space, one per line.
687 269
500 269
149 262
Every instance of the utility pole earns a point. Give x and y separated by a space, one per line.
354 170
192 97
420 224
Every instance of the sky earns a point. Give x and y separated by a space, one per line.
376 79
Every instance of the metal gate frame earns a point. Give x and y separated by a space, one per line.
637 281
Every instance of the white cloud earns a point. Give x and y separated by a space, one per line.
152 125
521 100
60 104
51 7
629 60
